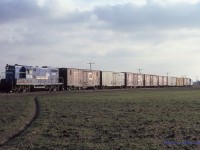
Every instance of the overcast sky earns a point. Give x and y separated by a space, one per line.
158 36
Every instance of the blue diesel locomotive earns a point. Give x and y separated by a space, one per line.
23 78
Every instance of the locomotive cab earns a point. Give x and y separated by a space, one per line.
12 73
16 77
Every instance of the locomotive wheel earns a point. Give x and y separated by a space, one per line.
50 88
19 89
28 89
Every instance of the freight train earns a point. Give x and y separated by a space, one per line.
23 78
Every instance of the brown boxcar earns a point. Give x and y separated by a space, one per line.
182 81
133 80
140 79
154 80
178 81
80 78
160 81
188 82
129 79
147 80
164 80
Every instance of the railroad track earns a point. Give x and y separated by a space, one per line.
96 90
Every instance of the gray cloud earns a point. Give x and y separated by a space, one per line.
121 53
120 17
128 16
12 10
121 37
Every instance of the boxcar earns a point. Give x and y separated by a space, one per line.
184 81
147 80
164 80
26 78
140 78
179 81
151 80
111 79
154 80
188 82
160 81
79 78
173 82
169 81
133 80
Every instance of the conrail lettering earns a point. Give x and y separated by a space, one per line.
42 77
90 76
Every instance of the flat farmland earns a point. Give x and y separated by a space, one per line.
126 119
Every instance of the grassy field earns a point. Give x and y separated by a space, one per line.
132 119
15 113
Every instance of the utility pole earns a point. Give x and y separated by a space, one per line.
184 76
90 63
139 70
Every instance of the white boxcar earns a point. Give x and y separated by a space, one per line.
112 79
173 82
169 81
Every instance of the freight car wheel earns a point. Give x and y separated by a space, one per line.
27 89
